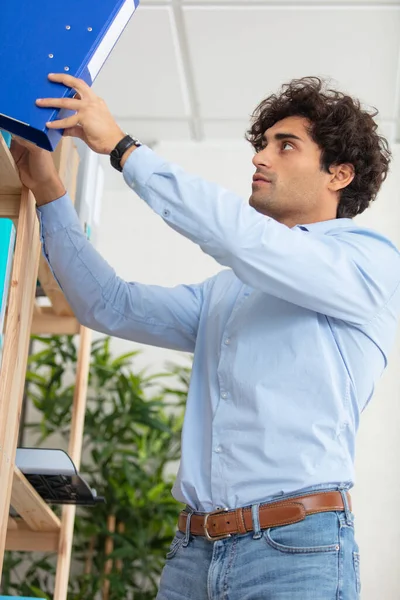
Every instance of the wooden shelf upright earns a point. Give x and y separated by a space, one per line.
37 528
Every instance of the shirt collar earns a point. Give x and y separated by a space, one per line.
325 226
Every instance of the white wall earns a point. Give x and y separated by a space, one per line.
142 248
377 486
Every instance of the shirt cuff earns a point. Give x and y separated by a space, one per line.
57 215
140 166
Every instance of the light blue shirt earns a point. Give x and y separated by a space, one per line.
288 341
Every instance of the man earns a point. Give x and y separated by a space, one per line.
288 342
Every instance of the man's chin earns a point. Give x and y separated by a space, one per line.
258 202
254 201
262 205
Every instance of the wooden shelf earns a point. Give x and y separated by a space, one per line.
66 160
37 528
16 344
9 206
46 321
21 538
30 506
53 290
10 184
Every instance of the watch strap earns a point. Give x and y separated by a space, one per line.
120 149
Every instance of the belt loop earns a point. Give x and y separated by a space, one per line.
343 491
255 515
187 530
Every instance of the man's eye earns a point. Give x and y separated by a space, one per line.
287 144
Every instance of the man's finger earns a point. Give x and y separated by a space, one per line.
72 82
64 123
68 103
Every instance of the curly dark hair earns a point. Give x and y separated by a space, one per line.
343 131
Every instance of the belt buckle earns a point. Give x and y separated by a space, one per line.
214 538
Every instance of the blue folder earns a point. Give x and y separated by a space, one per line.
7 139
7 242
18 598
38 38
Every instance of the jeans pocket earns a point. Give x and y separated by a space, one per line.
356 564
315 534
175 545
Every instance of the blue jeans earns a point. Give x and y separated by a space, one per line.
315 559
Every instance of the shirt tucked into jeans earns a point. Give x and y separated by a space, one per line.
315 559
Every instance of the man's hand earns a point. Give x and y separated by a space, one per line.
92 122
37 171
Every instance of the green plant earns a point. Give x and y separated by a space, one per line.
132 435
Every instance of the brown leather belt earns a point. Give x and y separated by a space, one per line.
223 523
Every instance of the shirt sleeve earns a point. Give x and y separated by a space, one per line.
349 274
149 314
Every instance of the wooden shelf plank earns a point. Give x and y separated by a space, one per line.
53 290
9 206
21 538
74 451
16 343
38 529
45 321
12 523
37 310
10 182
30 506
66 159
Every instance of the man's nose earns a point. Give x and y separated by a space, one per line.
262 158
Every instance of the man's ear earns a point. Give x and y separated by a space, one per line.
341 176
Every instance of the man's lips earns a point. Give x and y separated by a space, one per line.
259 179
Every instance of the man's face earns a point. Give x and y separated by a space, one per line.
296 190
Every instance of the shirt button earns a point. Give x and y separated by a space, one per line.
224 395
228 341
218 449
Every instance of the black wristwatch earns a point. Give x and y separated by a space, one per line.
120 149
